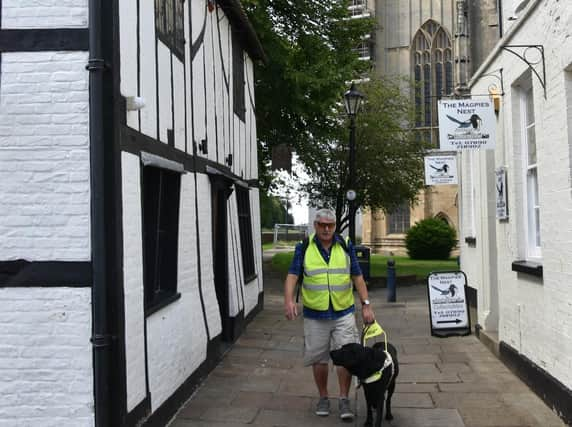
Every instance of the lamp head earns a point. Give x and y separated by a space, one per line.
352 100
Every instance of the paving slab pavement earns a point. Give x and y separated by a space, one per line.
443 382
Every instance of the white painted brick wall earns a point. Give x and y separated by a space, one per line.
44 156
176 340
207 273
133 280
46 366
536 314
44 13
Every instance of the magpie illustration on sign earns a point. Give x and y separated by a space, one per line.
501 199
447 300
466 124
440 170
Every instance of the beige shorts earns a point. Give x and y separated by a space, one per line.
321 336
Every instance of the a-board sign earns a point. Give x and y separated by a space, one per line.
448 306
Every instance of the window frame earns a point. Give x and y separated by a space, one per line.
238 79
160 204
530 195
432 70
399 221
245 231
173 35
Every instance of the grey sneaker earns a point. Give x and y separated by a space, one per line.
323 407
346 413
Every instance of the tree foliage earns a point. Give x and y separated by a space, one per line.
430 238
272 211
389 157
309 44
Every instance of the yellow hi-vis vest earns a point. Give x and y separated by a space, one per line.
323 281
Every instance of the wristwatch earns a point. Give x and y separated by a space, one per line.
365 302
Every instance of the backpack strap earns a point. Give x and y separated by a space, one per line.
305 244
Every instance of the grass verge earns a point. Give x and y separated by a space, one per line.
404 266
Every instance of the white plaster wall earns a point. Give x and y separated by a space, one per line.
44 157
165 104
128 51
251 157
209 94
205 239
197 78
536 314
133 280
253 288
44 13
46 357
176 340
179 100
236 275
223 55
148 69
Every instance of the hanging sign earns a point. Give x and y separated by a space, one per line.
466 124
440 170
501 194
448 306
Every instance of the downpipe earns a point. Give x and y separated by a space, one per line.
101 338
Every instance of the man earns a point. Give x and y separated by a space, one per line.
327 297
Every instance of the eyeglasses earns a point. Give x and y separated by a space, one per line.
327 224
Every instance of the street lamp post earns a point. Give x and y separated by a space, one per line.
352 102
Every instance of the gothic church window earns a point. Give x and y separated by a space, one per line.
399 221
433 74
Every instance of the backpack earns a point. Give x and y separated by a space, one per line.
305 243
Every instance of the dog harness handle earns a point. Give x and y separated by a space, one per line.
373 330
376 376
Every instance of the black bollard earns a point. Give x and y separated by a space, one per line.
390 280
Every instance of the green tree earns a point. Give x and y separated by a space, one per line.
389 156
430 238
272 211
309 44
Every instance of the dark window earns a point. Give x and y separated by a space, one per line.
161 193
169 23
399 220
245 227
238 78
427 93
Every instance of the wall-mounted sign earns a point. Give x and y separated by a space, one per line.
501 193
466 124
440 170
448 306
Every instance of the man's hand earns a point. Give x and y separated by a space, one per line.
367 314
290 307
290 310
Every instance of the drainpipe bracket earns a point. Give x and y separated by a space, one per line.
102 340
96 65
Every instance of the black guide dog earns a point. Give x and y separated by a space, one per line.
366 363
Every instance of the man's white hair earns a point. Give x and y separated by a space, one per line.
327 214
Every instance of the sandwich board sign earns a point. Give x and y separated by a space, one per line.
466 124
448 306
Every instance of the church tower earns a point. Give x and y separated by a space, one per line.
427 41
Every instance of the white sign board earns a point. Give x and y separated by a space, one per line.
440 170
466 124
447 302
501 193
